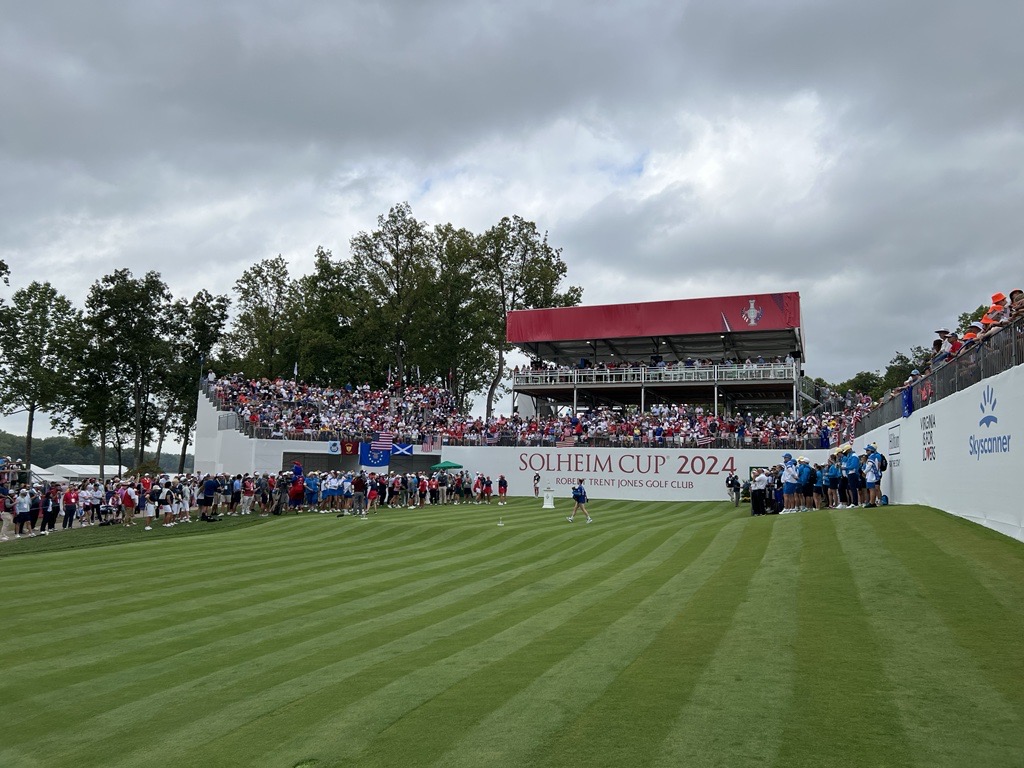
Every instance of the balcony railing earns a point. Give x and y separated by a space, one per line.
995 354
708 374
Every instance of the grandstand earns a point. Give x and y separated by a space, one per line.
726 353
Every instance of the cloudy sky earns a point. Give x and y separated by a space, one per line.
868 155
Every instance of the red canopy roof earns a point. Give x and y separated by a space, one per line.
679 317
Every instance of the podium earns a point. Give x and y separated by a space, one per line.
549 498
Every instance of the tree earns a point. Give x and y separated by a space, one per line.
392 270
128 320
197 327
869 382
37 365
261 336
459 349
966 318
518 269
331 347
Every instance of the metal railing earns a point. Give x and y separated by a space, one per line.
708 374
995 354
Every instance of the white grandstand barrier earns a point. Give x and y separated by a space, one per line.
962 454
641 474
220 449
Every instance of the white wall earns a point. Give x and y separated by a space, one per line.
934 457
231 451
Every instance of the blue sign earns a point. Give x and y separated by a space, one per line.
371 458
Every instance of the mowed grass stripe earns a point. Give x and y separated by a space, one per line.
270 577
964 604
368 701
853 719
562 692
310 659
153 601
952 716
447 689
287 595
627 724
995 560
205 565
734 716
294 620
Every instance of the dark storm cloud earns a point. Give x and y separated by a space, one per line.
865 154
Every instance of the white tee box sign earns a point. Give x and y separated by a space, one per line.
549 498
641 474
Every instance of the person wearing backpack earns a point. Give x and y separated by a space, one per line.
873 475
579 496
165 501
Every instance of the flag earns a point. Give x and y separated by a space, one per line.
401 449
371 457
383 442
349 447
334 446
491 438
428 444
568 442
705 440
908 402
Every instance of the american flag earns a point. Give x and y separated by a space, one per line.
383 442
428 443
491 438
567 442
705 440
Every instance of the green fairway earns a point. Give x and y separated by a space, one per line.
660 635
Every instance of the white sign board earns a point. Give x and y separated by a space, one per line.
643 474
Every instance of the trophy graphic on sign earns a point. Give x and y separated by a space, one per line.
752 314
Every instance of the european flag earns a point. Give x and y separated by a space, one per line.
371 458
908 402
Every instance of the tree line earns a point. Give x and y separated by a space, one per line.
411 301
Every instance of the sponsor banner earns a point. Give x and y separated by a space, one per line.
642 474
962 454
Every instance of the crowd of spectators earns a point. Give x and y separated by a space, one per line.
951 346
288 409
41 509
284 408
665 426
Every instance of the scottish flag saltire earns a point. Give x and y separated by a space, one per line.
371 458
401 449
908 402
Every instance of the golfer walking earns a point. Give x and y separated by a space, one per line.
579 495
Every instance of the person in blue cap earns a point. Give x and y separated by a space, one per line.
851 471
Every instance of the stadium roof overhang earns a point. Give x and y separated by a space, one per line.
749 325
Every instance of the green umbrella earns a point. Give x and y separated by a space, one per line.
447 465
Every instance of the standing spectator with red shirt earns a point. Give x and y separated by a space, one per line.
69 505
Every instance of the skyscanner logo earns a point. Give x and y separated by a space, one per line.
988 404
979 446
